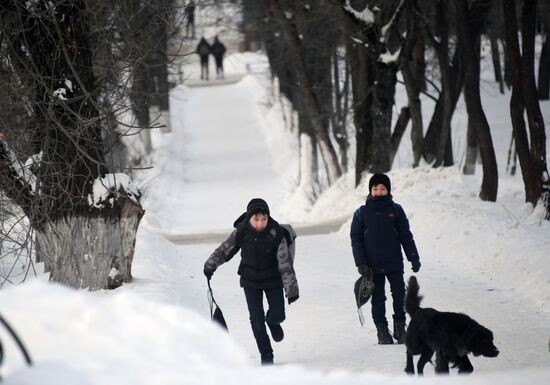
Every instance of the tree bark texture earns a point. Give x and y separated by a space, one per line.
534 116
495 56
415 109
91 252
544 65
340 110
361 82
382 110
517 103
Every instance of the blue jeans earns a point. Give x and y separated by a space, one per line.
397 286
258 319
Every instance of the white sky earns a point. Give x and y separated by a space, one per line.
228 144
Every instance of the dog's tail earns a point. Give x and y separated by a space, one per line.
412 300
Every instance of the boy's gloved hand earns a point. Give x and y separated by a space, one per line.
416 266
208 272
293 299
365 271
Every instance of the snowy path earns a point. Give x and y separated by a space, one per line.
218 161
322 328
225 162
324 227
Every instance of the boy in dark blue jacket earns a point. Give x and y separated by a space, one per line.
378 230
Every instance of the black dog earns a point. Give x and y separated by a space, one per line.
451 336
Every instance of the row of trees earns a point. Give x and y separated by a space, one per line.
78 78
336 59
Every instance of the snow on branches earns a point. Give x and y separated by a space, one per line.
108 189
366 15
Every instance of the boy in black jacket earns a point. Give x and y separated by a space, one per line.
378 230
265 268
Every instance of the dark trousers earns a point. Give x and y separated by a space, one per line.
258 319
397 286
219 65
204 67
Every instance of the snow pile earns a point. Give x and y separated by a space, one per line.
117 338
80 338
108 189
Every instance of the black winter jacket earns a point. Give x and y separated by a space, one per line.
265 259
378 230
259 267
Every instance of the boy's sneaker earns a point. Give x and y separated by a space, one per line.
277 332
384 336
267 359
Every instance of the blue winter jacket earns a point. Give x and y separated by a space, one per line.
378 230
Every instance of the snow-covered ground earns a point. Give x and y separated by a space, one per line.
228 144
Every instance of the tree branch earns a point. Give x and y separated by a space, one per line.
15 180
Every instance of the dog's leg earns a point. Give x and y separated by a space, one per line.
464 365
409 369
441 363
425 357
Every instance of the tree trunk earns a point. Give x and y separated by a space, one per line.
443 56
415 109
382 110
471 149
472 145
74 256
511 163
534 115
517 103
361 81
340 101
544 65
399 130
495 55
489 185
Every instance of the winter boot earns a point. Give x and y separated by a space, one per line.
277 332
267 359
399 331
384 336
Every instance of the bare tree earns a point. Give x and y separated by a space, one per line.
69 64
531 148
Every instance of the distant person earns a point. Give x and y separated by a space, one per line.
378 230
203 50
218 50
266 268
190 15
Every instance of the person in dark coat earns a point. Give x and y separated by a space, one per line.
378 231
218 50
190 15
203 50
265 269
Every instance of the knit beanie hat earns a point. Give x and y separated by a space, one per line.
380 179
256 206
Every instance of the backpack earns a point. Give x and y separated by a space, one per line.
203 49
290 235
